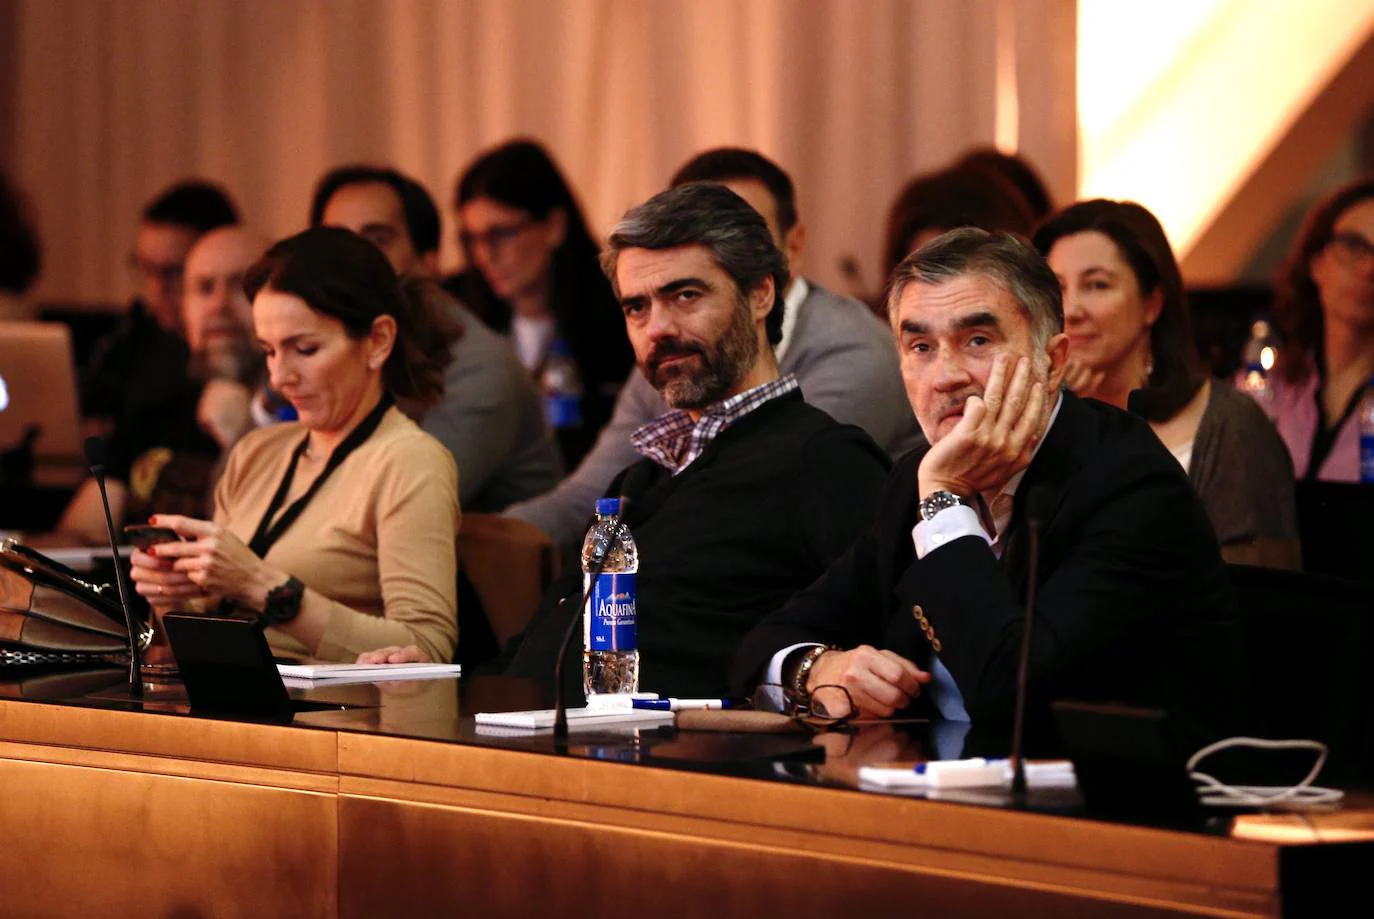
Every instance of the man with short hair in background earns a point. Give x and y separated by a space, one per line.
139 387
142 361
491 417
165 459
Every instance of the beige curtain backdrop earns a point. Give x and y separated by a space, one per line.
111 100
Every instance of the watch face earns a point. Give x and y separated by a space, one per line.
935 502
284 602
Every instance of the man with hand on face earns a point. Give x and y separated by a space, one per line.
746 493
926 611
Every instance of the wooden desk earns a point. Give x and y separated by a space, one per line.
401 810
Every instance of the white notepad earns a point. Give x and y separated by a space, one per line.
365 673
974 773
542 719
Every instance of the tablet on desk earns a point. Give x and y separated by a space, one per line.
227 666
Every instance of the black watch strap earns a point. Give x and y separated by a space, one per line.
284 602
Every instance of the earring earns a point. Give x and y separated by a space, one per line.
1149 367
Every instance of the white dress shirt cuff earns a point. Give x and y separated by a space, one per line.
772 698
950 524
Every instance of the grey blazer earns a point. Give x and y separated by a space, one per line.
845 360
491 419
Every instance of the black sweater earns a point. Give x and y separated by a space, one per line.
759 515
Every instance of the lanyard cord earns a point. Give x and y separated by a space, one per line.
268 531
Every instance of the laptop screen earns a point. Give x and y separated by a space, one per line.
38 389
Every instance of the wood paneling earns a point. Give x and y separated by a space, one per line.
538 784
84 841
469 862
126 813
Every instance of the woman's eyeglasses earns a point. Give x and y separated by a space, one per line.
1351 247
495 237
825 708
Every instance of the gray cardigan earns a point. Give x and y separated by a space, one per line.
1244 475
845 359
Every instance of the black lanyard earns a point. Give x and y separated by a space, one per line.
1323 437
269 532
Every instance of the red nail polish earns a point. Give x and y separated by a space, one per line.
153 519
152 550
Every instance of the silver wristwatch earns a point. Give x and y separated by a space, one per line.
937 501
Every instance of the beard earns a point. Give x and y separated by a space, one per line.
718 368
230 357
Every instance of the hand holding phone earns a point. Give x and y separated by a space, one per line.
144 535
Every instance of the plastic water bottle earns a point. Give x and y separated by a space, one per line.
1260 356
1366 419
610 658
562 386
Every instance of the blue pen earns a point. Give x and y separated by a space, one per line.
681 705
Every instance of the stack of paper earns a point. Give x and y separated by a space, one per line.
600 716
938 775
330 674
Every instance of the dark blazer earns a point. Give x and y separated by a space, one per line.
1133 604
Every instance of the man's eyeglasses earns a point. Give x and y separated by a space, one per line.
1351 248
827 707
495 237
147 269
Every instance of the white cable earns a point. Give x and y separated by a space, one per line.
1216 793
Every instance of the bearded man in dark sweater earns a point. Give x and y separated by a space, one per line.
746 493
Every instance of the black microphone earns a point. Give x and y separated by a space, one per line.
599 559
95 458
1038 506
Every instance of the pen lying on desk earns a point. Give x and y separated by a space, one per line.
682 705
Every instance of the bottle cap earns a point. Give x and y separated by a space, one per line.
607 507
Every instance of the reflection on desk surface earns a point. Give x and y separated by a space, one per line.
441 710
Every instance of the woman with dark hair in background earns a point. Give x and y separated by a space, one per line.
1131 340
533 275
935 202
338 530
1017 170
1324 311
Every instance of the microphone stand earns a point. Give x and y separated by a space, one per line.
1018 763
599 559
95 455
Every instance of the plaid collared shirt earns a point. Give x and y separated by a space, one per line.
674 441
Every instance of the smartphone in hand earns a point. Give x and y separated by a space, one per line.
144 535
